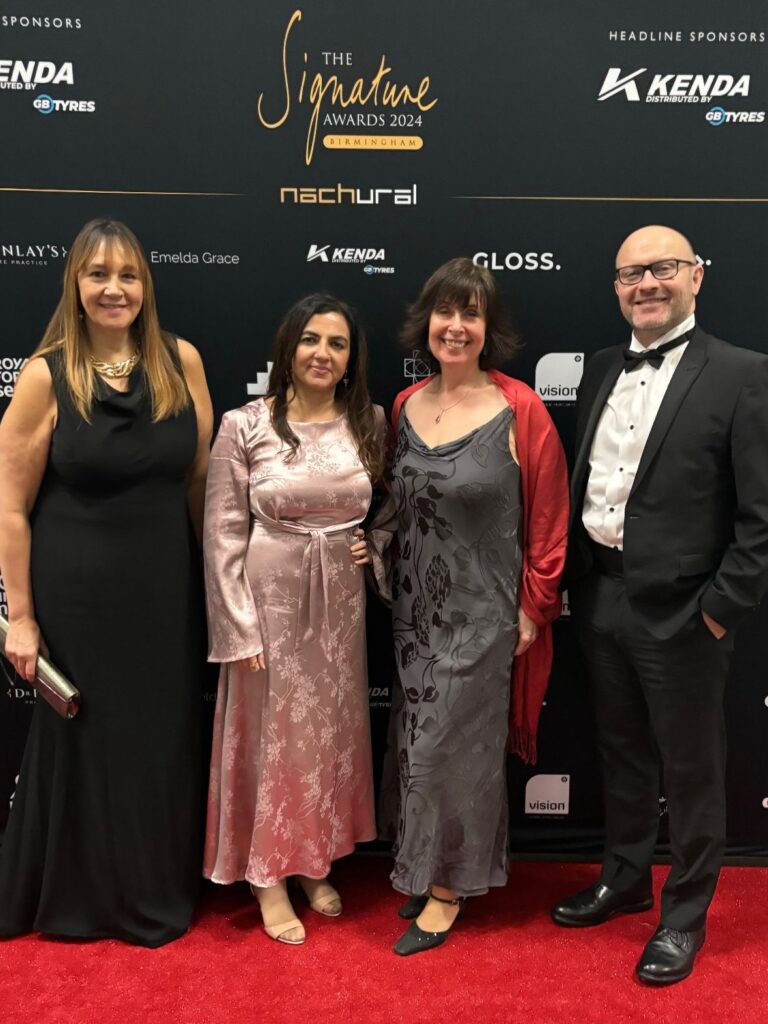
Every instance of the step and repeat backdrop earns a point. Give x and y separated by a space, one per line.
263 151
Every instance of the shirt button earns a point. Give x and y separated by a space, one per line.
611 509
631 426
621 469
642 383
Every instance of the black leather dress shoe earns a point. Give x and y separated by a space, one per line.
669 956
413 907
598 904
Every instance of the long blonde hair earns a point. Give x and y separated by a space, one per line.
66 332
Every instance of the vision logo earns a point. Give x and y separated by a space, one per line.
548 794
558 375
614 84
260 385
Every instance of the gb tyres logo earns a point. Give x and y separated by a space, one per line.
717 116
548 795
46 104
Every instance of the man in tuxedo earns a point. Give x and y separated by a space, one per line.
669 551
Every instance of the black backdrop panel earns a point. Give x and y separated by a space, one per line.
531 136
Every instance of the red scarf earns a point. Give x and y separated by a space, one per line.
544 478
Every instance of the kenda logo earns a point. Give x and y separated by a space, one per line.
260 385
672 88
28 74
548 794
558 375
325 254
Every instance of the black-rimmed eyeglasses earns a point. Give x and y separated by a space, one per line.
662 270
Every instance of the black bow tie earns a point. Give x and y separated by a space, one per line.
654 356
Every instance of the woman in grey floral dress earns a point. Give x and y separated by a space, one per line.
458 484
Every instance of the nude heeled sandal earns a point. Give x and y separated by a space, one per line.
278 932
327 903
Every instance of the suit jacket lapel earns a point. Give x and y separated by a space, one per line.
688 369
581 465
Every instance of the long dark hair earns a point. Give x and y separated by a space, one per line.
354 396
461 282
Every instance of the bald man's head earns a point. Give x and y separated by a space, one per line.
653 306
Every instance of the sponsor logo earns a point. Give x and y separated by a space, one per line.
516 260
378 697
39 22
19 255
46 104
548 794
369 269
678 36
717 116
672 88
663 806
337 98
219 259
416 367
565 608
325 254
260 385
28 74
338 195
765 803
558 375
10 368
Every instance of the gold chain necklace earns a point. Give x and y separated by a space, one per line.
124 368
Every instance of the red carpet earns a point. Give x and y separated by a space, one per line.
506 962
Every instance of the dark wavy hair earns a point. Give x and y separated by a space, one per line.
460 282
354 396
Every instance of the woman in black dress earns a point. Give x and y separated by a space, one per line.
103 453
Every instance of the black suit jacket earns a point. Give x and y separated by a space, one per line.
696 520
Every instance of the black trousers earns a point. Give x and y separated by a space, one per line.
658 705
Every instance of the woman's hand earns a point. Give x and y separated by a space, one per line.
253 664
359 549
527 633
23 645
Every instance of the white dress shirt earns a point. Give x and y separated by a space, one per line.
620 437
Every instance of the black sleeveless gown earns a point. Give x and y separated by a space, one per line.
104 835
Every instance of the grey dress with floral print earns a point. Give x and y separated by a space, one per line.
455 596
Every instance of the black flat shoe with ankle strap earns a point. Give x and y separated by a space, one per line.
416 940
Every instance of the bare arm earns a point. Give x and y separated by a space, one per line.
194 374
25 440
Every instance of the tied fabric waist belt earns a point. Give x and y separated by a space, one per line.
609 561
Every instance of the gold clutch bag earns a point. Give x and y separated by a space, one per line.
51 685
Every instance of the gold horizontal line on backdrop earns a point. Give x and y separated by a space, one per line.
113 192
625 199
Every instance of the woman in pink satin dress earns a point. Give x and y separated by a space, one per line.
289 482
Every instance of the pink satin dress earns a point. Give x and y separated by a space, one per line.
291 778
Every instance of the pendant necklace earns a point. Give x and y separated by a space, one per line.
449 407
